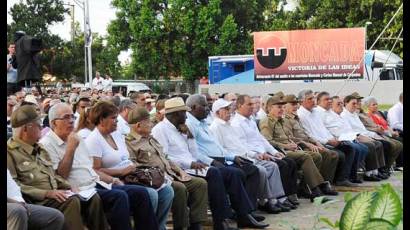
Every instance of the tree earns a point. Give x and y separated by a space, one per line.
34 17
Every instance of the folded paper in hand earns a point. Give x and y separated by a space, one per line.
84 195
197 172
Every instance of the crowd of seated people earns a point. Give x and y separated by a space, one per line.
239 156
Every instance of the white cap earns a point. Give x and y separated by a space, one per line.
31 98
219 104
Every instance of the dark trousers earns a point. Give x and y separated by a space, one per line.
123 200
346 155
288 175
252 180
224 181
361 153
375 158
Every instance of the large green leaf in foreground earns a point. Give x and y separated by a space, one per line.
356 213
379 224
387 205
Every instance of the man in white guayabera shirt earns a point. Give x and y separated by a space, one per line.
20 215
271 185
395 116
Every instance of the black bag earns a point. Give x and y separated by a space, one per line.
148 176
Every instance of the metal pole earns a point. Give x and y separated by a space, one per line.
89 41
85 48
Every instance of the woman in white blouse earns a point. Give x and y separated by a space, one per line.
111 156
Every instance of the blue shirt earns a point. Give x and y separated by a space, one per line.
206 142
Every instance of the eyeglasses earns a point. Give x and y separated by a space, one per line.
66 117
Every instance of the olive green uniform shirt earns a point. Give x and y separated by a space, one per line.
148 152
31 167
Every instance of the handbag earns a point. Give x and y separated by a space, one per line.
148 176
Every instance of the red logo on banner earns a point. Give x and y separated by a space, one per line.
271 52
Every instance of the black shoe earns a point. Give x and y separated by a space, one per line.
289 204
249 222
382 176
371 178
294 201
327 190
258 217
269 208
224 225
283 208
356 181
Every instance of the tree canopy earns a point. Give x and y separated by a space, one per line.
173 38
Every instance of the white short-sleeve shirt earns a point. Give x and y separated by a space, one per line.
111 158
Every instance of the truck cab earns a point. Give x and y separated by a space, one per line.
383 65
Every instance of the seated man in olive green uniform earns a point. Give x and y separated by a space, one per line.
272 129
189 191
30 167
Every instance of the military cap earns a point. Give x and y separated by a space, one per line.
275 100
138 114
356 95
279 94
24 115
291 98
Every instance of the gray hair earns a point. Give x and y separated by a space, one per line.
124 104
369 100
194 99
302 94
54 112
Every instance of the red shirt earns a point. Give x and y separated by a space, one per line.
379 120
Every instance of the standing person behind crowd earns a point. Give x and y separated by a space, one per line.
379 119
70 157
191 195
271 187
209 147
179 145
97 82
107 83
125 107
21 215
350 115
111 156
392 148
313 124
12 85
330 109
26 158
395 116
